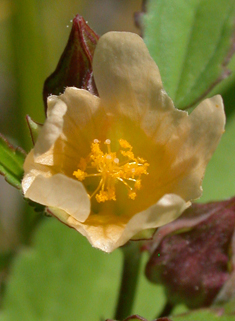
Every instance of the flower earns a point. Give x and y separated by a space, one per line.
124 162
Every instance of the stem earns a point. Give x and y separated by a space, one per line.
130 272
166 311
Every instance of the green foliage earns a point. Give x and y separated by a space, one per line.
229 307
150 298
199 315
219 180
191 42
11 162
62 278
29 60
204 315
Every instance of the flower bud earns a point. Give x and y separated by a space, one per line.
191 256
74 68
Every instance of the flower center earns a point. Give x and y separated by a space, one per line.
112 167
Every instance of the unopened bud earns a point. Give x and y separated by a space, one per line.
191 256
75 65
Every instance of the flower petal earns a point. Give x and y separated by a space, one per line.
32 170
61 192
191 147
108 235
52 127
130 87
84 116
167 209
125 74
74 121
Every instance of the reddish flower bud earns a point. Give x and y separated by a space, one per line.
74 67
191 256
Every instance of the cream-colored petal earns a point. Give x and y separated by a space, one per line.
130 86
84 118
32 170
61 192
125 74
167 209
104 238
111 235
74 120
97 235
51 129
161 119
191 147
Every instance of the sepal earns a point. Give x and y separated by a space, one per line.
34 128
11 162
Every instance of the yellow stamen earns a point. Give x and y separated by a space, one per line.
124 144
112 168
80 175
132 195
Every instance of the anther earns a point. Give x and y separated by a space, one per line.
107 142
116 160
110 169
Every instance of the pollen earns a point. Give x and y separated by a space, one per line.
112 168
80 175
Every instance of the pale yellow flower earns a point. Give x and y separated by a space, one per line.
124 162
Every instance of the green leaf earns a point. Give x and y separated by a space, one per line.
62 278
229 307
226 296
11 162
132 318
197 315
191 42
219 182
204 315
3 317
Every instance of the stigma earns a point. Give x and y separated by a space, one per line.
112 168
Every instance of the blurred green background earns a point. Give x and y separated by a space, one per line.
56 275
